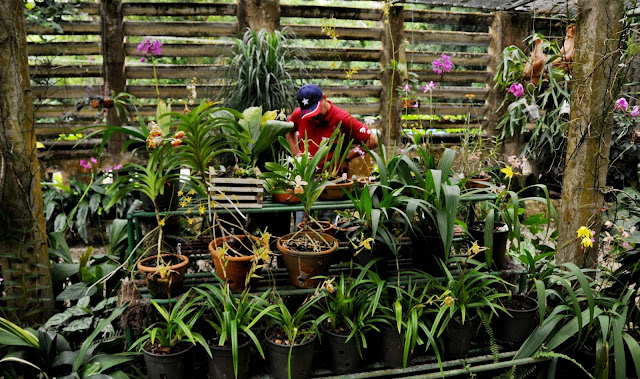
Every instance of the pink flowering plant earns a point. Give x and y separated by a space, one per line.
625 153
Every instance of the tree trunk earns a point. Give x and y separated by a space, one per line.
589 138
258 14
24 258
393 62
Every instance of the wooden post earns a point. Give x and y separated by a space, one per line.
24 263
506 29
113 53
393 50
598 30
258 14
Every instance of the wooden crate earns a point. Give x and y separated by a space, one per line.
238 192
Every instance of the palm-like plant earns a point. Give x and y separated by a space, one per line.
259 73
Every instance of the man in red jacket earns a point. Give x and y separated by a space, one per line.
317 118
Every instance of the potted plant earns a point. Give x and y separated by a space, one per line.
232 319
166 344
403 310
338 185
347 314
163 271
306 252
238 259
470 290
291 338
436 217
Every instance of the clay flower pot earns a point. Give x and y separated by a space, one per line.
336 191
285 198
171 285
237 267
303 266
478 182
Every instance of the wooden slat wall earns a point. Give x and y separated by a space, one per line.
190 41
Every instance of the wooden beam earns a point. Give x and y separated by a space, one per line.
344 13
180 29
179 9
64 48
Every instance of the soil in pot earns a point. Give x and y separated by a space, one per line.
171 285
344 354
279 348
500 237
307 254
325 227
237 262
221 363
162 364
336 190
516 329
458 336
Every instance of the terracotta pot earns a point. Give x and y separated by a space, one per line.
478 182
333 191
365 181
285 198
237 267
303 266
325 227
164 287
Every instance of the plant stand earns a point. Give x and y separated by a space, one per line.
236 192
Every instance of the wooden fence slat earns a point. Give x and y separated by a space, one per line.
91 9
68 28
64 48
343 33
459 59
447 37
180 29
184 50
344 13
178 9
446 17
462 76
165 71
344 54
84 71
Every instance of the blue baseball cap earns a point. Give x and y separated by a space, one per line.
309 98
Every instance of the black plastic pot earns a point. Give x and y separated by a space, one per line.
344 354
162 366
301 358
221 365
516 329
393 343
459 336
426 253
499 242
379 251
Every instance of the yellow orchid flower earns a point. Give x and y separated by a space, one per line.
162 222
201 209
180 193
584 232
507 171
586 242
367 243
190 220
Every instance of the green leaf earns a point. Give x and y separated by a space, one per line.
89 341
57 319
76 291
77 325
61 271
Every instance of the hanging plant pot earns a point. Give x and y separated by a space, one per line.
516 329
286 197
302 262
344 354
234 268
173 365
325 227
171 284
301 356
458 336
336 191
221 363
500 237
